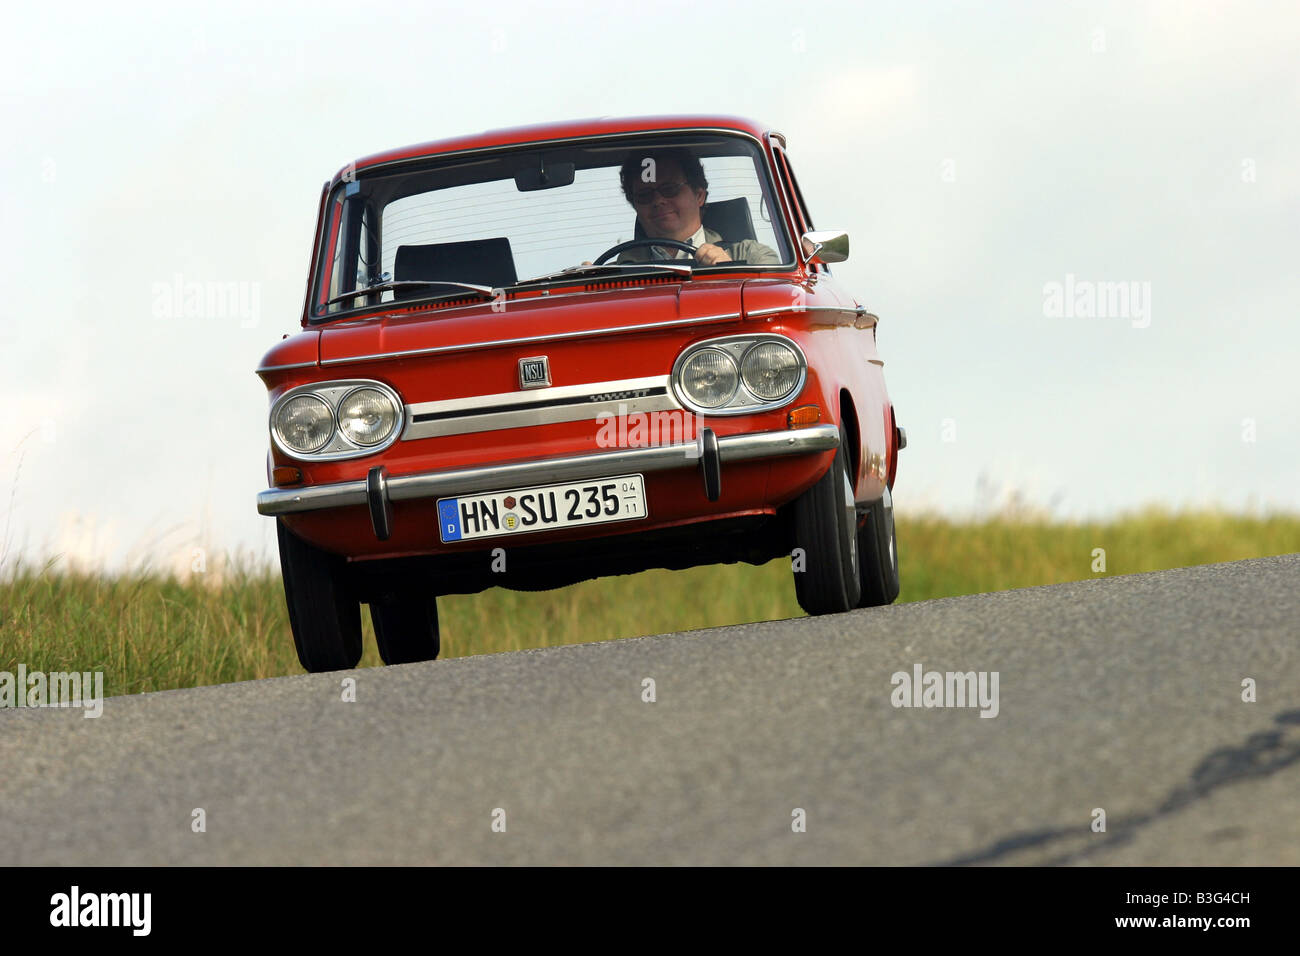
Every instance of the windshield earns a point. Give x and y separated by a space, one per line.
501 219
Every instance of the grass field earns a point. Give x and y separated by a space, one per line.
147 632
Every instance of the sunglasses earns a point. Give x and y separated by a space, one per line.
668 190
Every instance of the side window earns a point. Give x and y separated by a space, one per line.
354 252
783 172
367 252
733 177
333 250
803 221
798 193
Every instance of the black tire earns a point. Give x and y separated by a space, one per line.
878 553
323 611
825 522
406 625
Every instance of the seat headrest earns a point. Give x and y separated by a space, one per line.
480 261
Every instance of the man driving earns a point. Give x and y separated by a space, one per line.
668 189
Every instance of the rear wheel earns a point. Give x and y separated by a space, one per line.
406 625
323 612
826 576
878 553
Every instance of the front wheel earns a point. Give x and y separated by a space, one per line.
825 557
878 553
323 612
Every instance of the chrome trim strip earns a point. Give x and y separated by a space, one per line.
556 336
540 471
806 308
554 393
278 368
457 416
528 418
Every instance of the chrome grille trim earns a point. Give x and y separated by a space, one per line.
543 406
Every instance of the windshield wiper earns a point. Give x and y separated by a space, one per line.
410 284
574 271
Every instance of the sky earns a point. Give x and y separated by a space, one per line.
1079 224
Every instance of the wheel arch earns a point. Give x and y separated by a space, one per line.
892 435
849 421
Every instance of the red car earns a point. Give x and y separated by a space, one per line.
541 355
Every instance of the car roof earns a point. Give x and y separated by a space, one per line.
568 129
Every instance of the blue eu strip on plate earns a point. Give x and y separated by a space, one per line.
449 518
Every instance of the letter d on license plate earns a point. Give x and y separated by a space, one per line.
542 508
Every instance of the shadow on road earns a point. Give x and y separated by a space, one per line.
1262 755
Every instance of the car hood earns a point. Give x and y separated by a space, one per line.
614 308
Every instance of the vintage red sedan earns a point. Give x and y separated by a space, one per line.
541 355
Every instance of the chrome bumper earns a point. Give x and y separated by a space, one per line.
545 471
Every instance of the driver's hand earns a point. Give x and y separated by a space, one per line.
710 254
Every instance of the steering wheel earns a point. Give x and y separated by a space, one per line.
670 243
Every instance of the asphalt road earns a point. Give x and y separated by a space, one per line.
1123 694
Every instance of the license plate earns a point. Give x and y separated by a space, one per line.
543 508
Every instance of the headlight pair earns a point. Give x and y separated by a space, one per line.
740 373
334 420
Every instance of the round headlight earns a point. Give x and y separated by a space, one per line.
367 416
304 424
709 378
771 370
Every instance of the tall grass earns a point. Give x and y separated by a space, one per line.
147 631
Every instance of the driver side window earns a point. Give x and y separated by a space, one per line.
731 178
802 220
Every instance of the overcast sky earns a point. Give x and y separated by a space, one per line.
993 163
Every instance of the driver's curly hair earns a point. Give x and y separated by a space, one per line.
630 175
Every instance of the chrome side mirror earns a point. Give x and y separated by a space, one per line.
828 246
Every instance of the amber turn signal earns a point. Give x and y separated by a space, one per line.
284 475
803 416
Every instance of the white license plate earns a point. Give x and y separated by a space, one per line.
542 509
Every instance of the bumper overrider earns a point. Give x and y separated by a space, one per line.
708 454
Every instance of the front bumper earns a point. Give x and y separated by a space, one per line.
708 455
